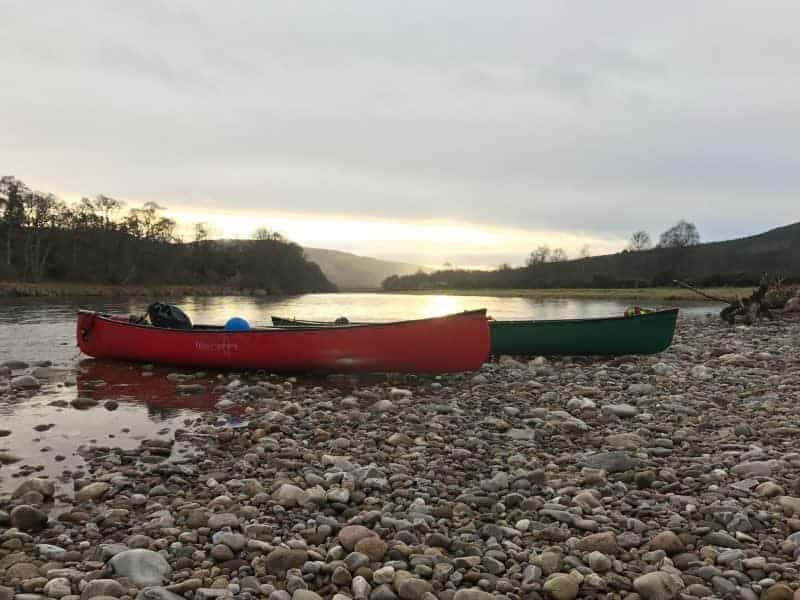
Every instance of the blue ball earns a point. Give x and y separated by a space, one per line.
237 324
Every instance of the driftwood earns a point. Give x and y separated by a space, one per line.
750 309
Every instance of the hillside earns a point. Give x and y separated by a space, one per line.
733 262
350 271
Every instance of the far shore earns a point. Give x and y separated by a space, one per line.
665 294
66 290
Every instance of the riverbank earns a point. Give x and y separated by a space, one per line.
651 294
668 475
68 290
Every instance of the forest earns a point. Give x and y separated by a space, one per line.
679 255
44 239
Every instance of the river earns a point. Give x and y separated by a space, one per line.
43 431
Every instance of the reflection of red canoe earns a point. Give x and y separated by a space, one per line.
452 343
113 380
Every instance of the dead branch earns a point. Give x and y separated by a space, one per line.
690 287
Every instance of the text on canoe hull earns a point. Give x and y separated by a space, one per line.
224 347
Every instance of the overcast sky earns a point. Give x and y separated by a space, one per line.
426 131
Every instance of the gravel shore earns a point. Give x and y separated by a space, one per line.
657 477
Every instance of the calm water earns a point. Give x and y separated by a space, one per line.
147 404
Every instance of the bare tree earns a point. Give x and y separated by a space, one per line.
107 206
558 255
146 223
263 234
85 215
586 251
201 232
42 213
13 194
680 235
640 240
539 256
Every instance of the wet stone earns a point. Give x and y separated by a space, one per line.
28 518
143 567
612 462
605 542
220 520
350 535
281 560
103 587
413 589
24 382
658 586
45 487
720 538
561 586
157 593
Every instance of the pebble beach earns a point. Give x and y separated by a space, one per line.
656 477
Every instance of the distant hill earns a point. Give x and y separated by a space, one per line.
350 271
733 262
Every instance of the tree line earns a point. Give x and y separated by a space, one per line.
678 255
680 235
95 240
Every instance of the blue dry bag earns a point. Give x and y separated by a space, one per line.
237 324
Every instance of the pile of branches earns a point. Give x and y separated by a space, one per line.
749 309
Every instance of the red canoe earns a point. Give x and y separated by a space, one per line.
457 342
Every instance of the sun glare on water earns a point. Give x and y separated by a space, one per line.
442 305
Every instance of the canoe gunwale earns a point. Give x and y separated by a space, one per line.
219 329
650 315
297 323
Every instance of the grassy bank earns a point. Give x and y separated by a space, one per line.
651 294
64 290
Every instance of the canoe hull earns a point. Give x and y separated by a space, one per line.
453 343
643 334
649 333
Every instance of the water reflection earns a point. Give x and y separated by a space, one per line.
103 380
56 450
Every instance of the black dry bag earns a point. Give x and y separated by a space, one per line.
168 315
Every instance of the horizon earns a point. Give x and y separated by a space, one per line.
235 227
411 133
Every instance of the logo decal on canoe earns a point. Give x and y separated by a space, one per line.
224 347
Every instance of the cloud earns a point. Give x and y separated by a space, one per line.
588 120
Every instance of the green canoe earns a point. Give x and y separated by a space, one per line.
648 333
643 334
